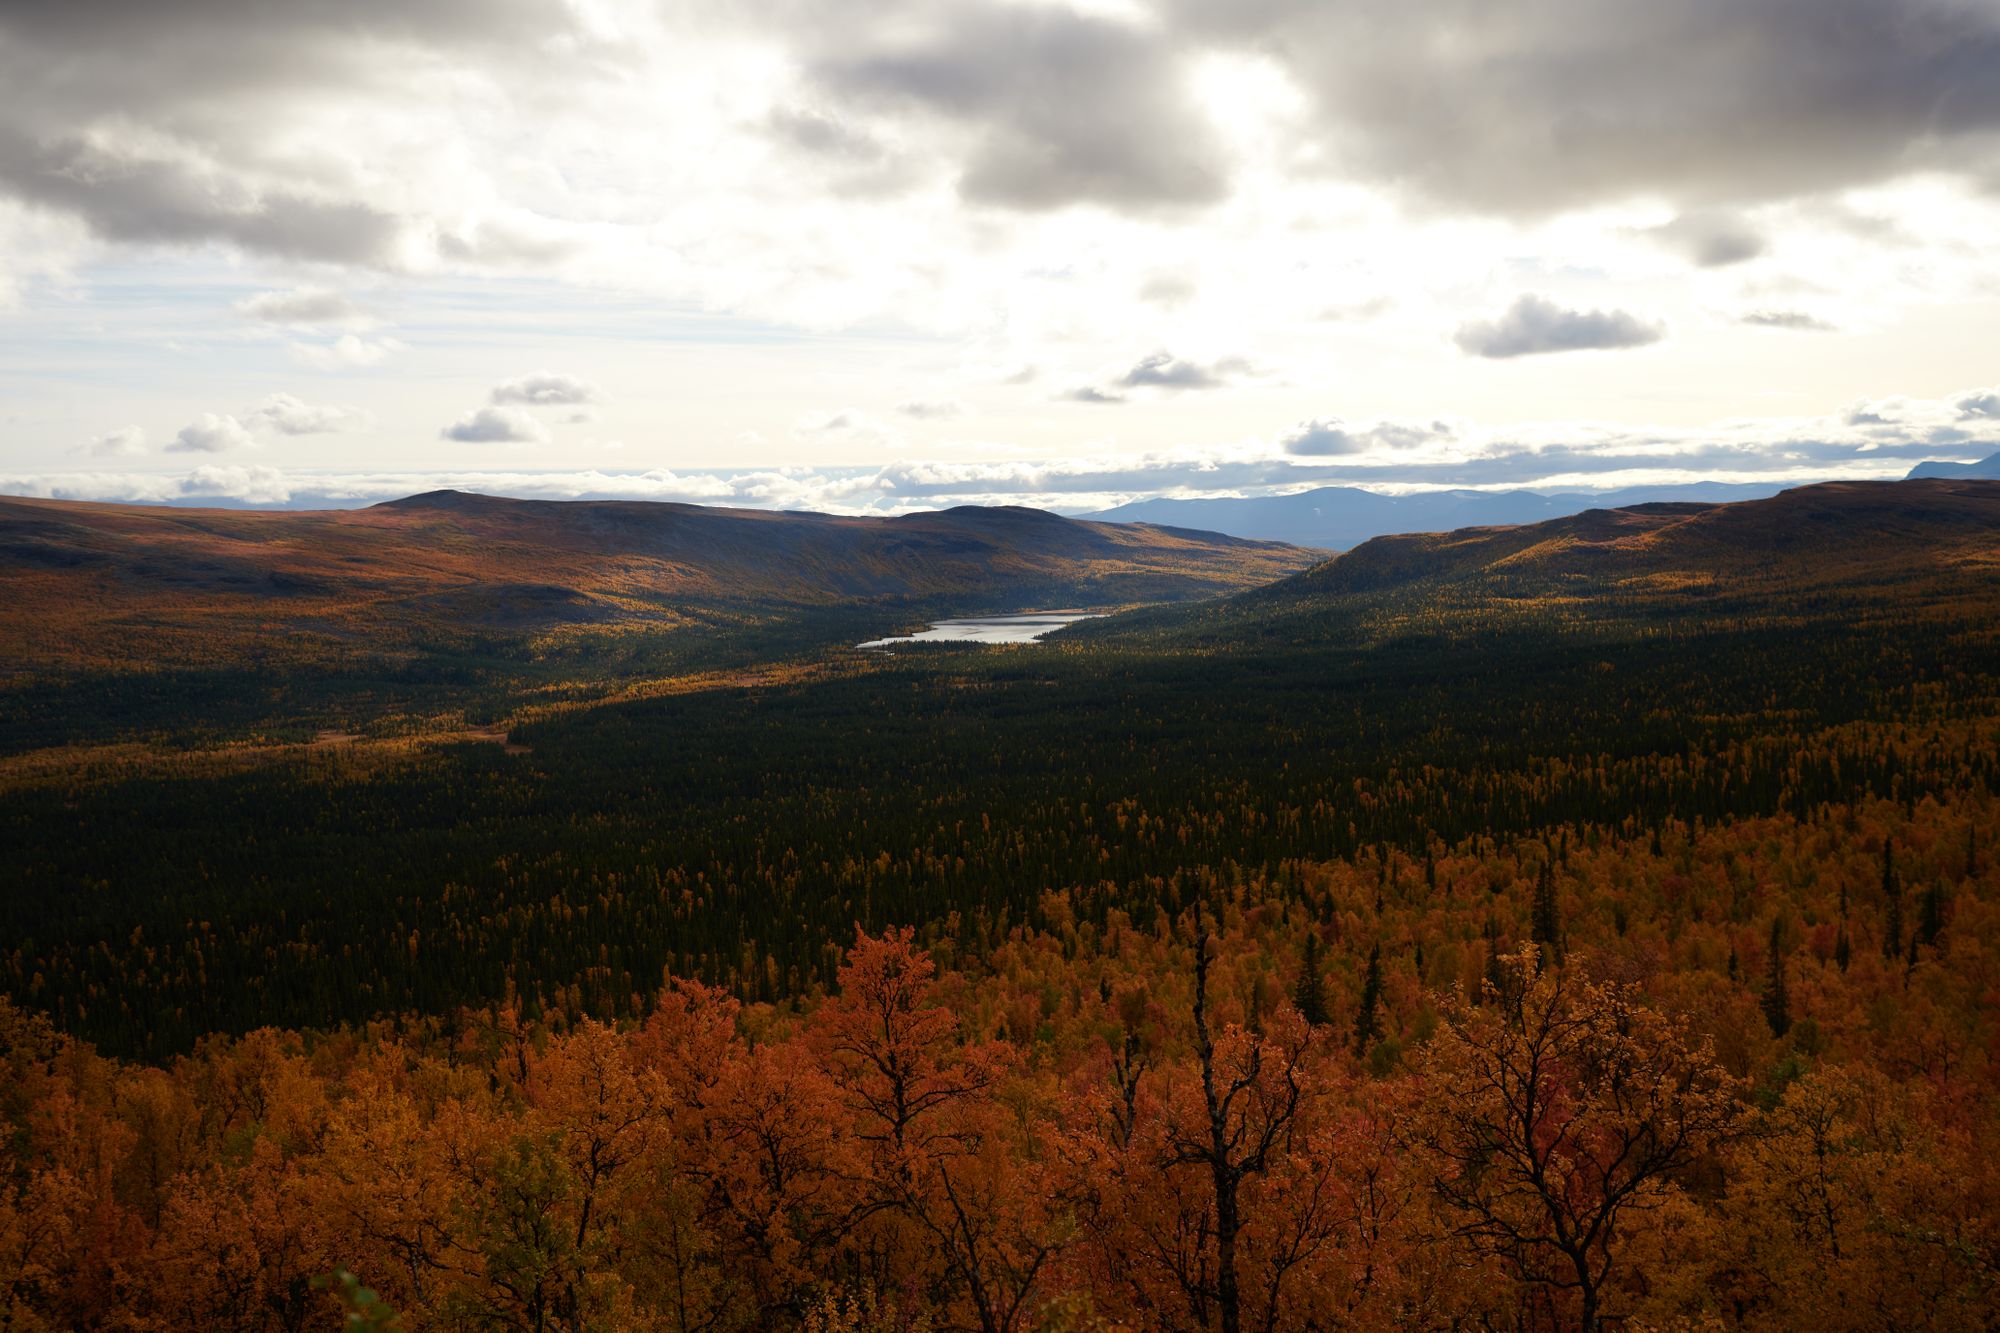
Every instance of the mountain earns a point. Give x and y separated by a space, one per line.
1338 517
104 584
1854 534
1987 469
1837 553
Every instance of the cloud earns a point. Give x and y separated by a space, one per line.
846 426
1975 405
497 425
211 433
1391 453
317 306
1712 238
1788 319
546 389
1041 107
126 192
251 485
121 443
1318 439
283 414
1534 325
347 352
1163 371
1331 437
1552 105
931 409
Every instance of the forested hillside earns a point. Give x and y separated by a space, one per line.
448 611
1589 925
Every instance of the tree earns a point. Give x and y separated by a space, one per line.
1892 899
1551 1113
1547 924
1309 996
921 1105
1250 1092
1777 1005
1930 915
1367 1019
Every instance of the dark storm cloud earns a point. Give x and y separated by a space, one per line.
1534 325
1053 107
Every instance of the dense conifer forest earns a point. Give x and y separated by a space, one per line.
1592 928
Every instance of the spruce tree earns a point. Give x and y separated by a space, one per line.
1930 915
1892 897
1547 926
1777 1005
1371 1000
1310 996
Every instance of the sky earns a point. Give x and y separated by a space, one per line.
907 253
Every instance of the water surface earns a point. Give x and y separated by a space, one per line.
1024 628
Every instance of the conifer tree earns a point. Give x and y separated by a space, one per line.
1930 915
1310 995
1892 896
1777 1005
1547 924
1366 1021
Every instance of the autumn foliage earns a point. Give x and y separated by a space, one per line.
1116 1127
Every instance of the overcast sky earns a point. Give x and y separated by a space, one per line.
882 253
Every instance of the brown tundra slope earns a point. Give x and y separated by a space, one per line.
1847 534
105 585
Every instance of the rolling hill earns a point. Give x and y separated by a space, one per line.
1834 532
1838 549
121 586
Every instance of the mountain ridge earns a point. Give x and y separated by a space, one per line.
116 582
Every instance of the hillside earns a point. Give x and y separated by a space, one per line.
635 1002
1987 469
1860 534
123 586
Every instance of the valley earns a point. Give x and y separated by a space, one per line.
1733 767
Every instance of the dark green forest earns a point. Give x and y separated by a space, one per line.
738 835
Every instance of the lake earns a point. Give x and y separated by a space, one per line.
1025 628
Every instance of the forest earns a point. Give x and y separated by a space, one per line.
1596 926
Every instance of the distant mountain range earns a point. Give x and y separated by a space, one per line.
1986 469
1335 518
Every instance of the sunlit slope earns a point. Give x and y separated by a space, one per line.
120 584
